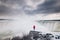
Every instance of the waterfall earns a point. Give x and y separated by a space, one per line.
52 25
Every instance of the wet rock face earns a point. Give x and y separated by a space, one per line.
23 38
16 38
32 36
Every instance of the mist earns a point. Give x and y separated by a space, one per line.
23 15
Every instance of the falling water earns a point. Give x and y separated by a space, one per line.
52 25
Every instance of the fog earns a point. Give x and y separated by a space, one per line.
19 25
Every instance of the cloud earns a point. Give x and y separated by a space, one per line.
46 7
50 6
30 7
11 7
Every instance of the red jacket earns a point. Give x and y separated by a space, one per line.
34 27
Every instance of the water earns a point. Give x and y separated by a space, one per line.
53 26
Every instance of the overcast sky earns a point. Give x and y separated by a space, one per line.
29 7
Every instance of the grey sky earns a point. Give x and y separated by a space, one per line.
29 6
